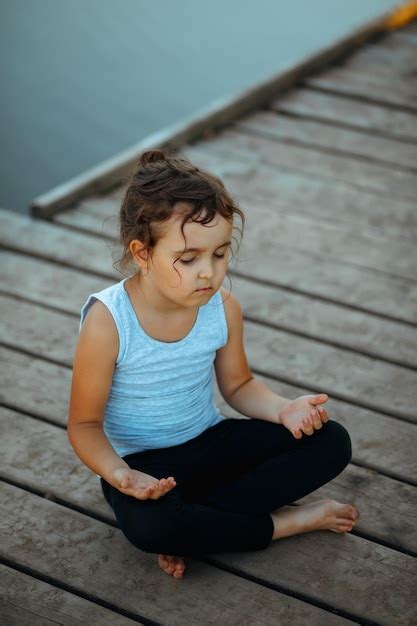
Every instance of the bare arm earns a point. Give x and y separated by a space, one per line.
93 367
236 382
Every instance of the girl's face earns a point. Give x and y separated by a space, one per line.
179 269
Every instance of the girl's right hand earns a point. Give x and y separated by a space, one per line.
140 485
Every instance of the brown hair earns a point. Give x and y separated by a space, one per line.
158 183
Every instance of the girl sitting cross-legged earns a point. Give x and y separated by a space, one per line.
181 478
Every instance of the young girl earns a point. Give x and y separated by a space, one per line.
182 479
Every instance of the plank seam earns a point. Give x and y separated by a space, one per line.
282 589
336 395
320 148
287 379
355 461
259 281
254 320
24 569
322 298
357 97
113 241
328 342
339 124
211 561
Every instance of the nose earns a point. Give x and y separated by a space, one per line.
206 272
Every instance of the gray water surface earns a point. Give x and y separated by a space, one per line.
85 79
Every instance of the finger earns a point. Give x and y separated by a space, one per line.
297 433
319 398
307 427
143 494
315 417
317 421
169 483
323 415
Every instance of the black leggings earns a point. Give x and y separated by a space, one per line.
229 478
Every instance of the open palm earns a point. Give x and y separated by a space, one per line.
140 485
304 414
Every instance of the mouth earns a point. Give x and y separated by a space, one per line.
205 289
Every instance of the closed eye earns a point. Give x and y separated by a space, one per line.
218 256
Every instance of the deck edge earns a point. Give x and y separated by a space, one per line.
110 172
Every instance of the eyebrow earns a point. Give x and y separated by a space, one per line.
200 249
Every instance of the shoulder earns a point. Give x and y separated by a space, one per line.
232 309
99 329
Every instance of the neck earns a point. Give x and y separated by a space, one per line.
153 299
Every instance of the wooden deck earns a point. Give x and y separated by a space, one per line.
327 278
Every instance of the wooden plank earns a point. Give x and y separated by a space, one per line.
349 376
337 570
331 139
294 193
379 442
303 271
410 28
27 601
65 289
69 546
398 38
360 174
387 58
57 471
360 379
368 85
343 242
335 109
285 193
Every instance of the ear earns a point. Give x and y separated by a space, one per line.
139 253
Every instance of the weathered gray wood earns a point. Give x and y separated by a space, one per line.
373 245
360 174
56 470
342 110
349 376
375 582
370 86
84 221
27 601
47 284
97 559
334 139
360 379
290 192
410 28
379 442
300 270
337 201
343 242
398 39
385 57
338 570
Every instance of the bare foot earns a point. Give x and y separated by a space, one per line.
321 515
173 565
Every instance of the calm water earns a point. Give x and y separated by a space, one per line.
85 79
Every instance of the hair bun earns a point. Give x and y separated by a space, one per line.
151 156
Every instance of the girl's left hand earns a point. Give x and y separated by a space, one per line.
304 414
